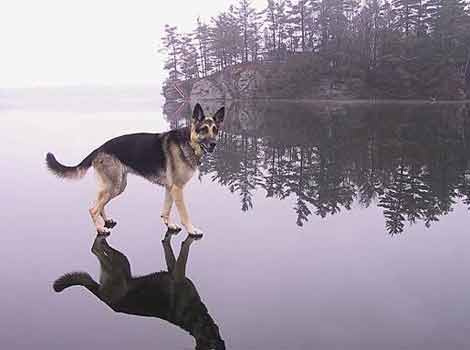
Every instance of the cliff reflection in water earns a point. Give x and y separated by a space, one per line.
410 159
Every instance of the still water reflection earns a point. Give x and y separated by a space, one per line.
411 160
168 295
301 206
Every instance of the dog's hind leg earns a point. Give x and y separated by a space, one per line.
102 199
166 211
112 179
108 223
117 188
168 250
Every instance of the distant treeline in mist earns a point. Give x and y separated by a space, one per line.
391 45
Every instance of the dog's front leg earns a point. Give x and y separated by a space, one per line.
177 195
166 211
179 272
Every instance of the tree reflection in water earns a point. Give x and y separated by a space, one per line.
410 159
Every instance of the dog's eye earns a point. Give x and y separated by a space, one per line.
204 129
215 130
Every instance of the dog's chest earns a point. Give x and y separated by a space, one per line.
177 174
183 172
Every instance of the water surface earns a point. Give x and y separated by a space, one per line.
327 226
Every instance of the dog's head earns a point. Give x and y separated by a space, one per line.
204 129
206 332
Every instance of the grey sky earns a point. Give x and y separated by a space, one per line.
62 42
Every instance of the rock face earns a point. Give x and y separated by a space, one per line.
207 89
234 83
296 81
257 81
248 82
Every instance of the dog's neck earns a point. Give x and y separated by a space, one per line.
195 145
193 151
197 149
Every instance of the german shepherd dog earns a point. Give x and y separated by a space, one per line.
168 295
168 159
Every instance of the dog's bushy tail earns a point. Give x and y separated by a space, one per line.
76 279
69 172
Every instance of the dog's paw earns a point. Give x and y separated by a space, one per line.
194 231
173 228
110 223
196 237
103 232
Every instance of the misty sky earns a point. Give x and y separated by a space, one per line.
87 42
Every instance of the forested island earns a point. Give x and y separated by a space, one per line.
338 49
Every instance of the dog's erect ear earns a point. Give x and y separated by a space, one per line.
219 115
198 113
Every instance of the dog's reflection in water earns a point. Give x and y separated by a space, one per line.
168 295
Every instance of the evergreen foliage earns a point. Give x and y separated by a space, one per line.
404 48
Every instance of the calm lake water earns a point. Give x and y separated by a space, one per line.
326 226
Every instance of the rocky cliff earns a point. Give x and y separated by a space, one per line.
263 81
305 78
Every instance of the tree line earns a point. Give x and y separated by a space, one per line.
416 39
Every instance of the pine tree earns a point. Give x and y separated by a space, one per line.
406 12
272 24
322 10
299 16
246 15
449 23
172 46
201 34
282 23
393 201
351 9
188 59
225 39
255 38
